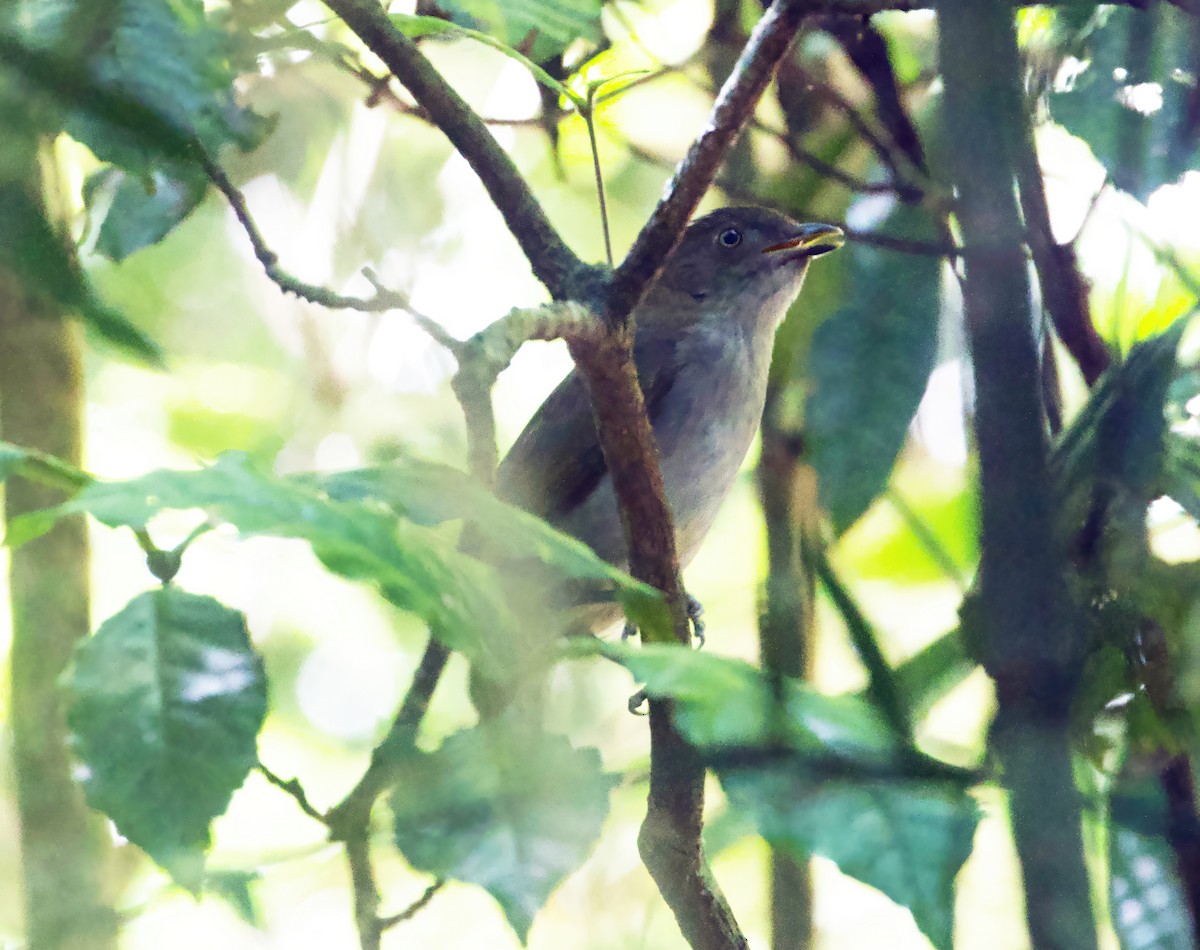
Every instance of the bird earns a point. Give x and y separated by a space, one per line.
702 347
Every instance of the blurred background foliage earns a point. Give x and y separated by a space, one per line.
341 172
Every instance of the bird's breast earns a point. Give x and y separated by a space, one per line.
704 430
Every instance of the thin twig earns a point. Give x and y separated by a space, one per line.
292 787
351 815
384 298
815 162
827 169
400 301
901 150
412 909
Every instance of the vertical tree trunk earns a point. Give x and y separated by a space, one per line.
62 843
1029 639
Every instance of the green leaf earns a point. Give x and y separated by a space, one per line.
907 839
869 365
377 526
430 494
804 768
142 83
544 27
144 212
165 703
412 566
929 674
1132 95
236 888
723 704
41 468
1117 443
513 812
69 86
164 55
883 688
39 257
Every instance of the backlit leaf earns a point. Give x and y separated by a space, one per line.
165 704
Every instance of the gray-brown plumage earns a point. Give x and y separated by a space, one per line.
703 349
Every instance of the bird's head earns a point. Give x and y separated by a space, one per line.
743 264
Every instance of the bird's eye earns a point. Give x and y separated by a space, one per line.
730 237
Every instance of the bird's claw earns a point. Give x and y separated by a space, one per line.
636 701
629 632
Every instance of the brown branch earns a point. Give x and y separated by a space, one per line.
669 842
554 264
868 51
734 105
1064 288
670 837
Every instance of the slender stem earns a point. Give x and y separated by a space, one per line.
351 816
787 492
927 539
589 117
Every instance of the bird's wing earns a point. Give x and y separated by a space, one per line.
556 463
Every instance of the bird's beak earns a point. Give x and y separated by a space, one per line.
812 241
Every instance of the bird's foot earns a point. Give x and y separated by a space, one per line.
695 615
695 611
